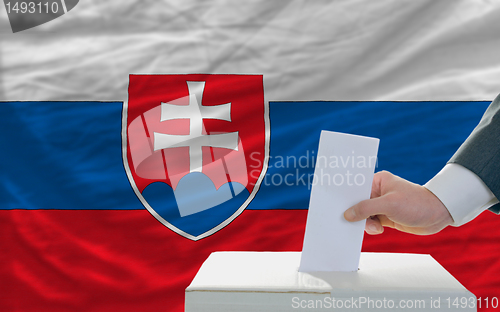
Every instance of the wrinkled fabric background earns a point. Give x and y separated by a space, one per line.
323 50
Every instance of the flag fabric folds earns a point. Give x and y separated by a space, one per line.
74 236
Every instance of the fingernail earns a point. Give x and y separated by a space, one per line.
373 228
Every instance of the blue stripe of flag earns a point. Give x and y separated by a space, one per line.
68 155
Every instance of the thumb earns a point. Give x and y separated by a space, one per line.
367 208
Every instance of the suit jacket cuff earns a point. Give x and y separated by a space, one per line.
480 153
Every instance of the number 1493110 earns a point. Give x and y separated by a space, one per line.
19 7
471 302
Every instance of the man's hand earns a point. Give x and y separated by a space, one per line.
400 204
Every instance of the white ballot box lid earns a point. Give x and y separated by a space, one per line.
270 281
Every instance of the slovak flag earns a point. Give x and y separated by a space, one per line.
138 137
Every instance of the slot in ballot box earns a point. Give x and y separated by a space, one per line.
270 281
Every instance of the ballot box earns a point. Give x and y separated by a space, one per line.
270 281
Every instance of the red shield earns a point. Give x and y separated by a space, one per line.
195 147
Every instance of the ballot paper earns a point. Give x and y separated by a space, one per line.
343 176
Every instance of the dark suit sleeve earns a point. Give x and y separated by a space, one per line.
480 153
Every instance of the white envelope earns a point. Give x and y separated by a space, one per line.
344 170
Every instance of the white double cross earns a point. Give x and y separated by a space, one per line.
195 140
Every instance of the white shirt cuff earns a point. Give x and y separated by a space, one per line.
462 192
